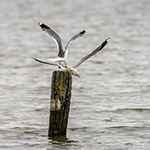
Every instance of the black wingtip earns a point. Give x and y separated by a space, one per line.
43 26
32 58
108 39
105 42
82 32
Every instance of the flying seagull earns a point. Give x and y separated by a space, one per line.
62 54
74 70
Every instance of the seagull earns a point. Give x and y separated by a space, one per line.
74 70
62 54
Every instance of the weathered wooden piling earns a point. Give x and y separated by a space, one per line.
59 103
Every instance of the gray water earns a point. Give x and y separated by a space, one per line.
110 103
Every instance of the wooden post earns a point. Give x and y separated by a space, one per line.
60 103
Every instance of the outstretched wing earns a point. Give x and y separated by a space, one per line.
92 53
55 37
45 62
74 38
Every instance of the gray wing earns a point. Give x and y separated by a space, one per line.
55 37
74 38
44 62
92 53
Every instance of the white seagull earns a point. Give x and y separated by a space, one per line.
74 70
62 54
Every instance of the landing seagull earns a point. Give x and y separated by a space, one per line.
63 54
74 70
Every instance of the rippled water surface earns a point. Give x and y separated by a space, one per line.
110 104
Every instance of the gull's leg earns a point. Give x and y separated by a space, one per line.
59 66
65 65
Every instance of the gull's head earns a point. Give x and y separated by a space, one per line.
75 72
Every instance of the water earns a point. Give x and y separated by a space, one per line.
110 107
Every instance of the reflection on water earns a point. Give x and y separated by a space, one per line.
110 102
